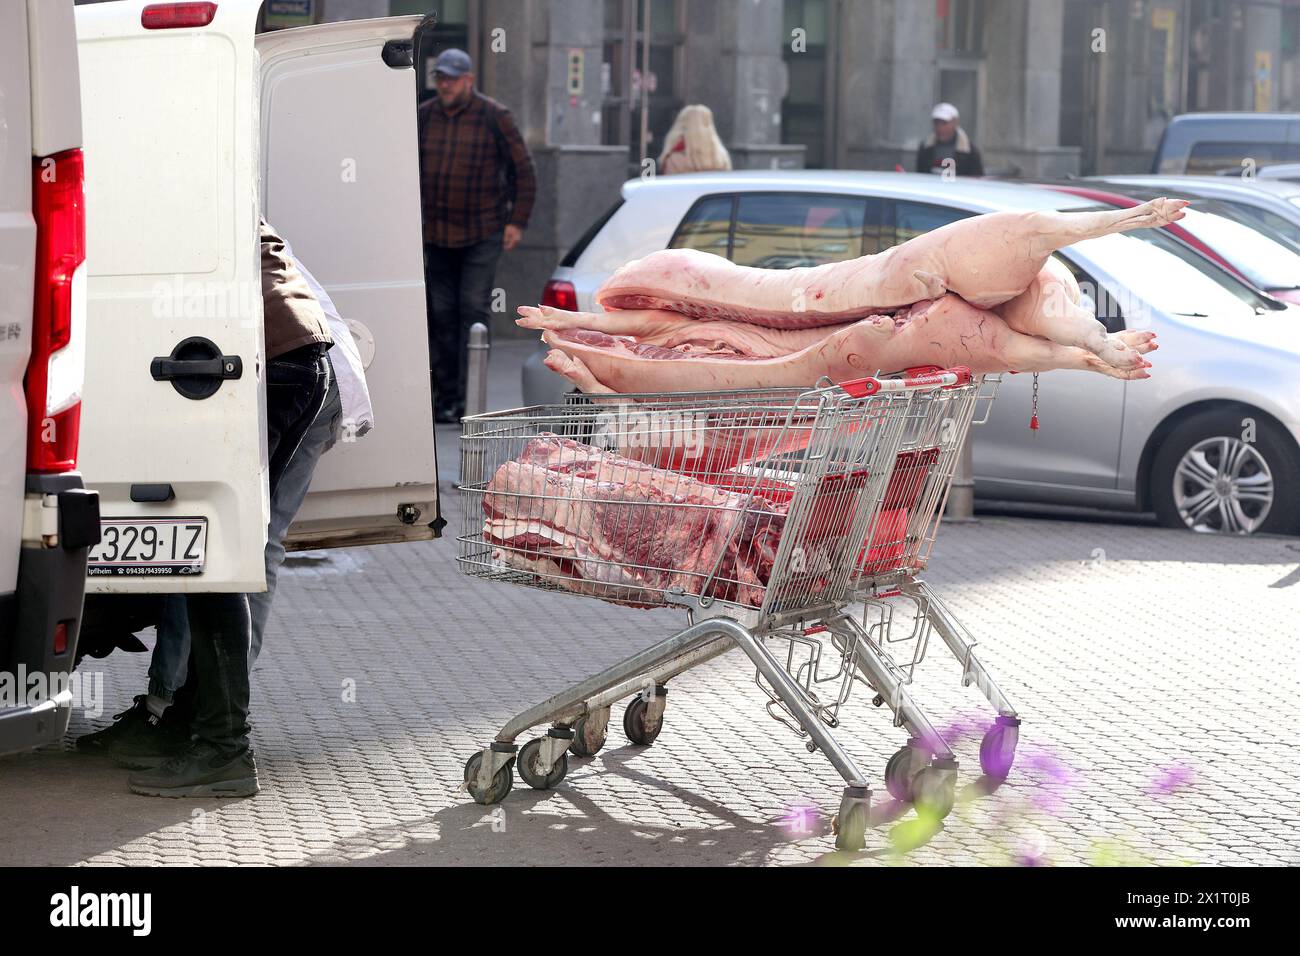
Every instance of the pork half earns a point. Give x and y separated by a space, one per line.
982 292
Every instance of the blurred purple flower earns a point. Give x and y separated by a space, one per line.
1056 772
1170 779
800 820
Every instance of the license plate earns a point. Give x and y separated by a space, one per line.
149 546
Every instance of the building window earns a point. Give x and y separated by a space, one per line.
961 58
621 77
803 111
451 32
961 26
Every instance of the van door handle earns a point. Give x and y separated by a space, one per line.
196 368
226 366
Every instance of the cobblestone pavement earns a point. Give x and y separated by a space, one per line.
1156 672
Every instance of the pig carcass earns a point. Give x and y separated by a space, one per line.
597 523
982 292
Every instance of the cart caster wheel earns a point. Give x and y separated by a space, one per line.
901 773
998 748
585 742
934 792
502 781
634 723
851 832
532 772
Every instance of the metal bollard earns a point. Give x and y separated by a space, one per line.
472 449
476 373
961 496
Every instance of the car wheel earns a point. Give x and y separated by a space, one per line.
1226 472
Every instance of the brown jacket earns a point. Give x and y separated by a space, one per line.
293 316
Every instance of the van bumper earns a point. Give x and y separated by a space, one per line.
25 728
50 593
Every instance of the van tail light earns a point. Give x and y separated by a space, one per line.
559 294
175 16
61 637
56 369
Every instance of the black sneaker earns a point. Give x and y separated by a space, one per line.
136 738
200 770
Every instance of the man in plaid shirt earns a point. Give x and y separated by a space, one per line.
477 184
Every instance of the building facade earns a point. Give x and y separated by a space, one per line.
1046 88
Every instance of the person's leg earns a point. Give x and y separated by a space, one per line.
286 501
296 384
442 285
221 626
171 651
152 728
477 279
219 761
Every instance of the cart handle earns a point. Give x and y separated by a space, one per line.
918 377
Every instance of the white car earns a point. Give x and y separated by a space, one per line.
48 520
194 128
1210 442
1271 203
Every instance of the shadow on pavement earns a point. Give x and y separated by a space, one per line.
60 826
565 826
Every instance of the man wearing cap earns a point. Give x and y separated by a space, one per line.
477 184
948 142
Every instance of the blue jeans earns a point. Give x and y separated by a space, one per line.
171 653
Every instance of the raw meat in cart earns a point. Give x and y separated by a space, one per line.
598 523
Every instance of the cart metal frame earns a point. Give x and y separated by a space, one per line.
811 639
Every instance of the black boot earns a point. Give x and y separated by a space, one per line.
137 738
200 770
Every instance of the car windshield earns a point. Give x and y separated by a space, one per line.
1152 266
1274 226
1266 263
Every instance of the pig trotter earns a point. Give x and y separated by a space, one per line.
1070 227
1138 339
576 371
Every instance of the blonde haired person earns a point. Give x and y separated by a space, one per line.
692 145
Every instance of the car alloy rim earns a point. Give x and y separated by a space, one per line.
1223 485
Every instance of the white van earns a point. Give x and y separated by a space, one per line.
195 127
47 520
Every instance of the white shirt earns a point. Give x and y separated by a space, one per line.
358 415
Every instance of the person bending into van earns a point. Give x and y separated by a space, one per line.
189 734
477 187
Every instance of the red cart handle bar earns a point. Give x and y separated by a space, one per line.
954 377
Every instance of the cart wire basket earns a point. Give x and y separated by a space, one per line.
791 523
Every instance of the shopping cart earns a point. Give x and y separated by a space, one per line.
791 523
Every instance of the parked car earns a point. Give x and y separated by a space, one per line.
197 127
1251 250
1289 171
1272 203
1227 366
49 520
1201 144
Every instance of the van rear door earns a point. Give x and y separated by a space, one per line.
173 422
340 181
